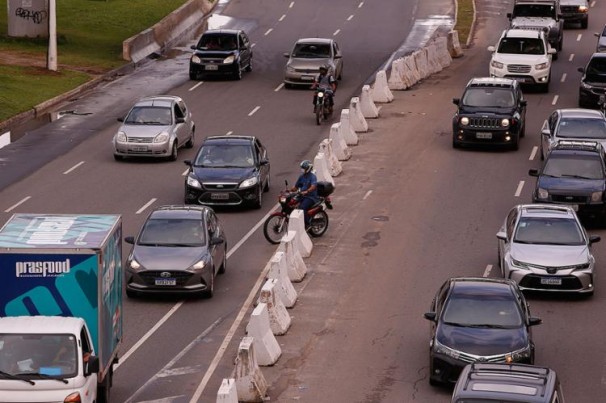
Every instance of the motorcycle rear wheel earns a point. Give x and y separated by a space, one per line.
319 224
318 115
275 227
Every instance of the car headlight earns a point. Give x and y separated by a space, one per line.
229 59
134 265
542 194
496 65
504 122
520 265
583 266
161 138
518 355
249 182
439 348
196 59
290 69
121 137
585 85
199 265
596 196
583 9
464 121
541 66
193 182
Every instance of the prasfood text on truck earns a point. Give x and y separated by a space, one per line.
60 307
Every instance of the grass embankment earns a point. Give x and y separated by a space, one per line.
464 20
89 42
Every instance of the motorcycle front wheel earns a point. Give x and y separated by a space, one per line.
275 228
318 114
319 224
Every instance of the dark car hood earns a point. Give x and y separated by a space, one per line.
595 79
487 110
482 341
235 175
218 54
570 184
168 258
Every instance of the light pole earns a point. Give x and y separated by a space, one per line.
51 60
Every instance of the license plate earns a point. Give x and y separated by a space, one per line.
308 78
140 148
483 135
211 67
551 281
522 79
166 281
219 196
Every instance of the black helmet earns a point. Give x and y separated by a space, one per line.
324 68
306 165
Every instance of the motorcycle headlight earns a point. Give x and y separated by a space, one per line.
282 200
320 94
496 65
464 121
596 196
199 265
443 350
196 59
541 66
249 182
504 122
134 265
161 138
121 137
542 194
229 59
193 182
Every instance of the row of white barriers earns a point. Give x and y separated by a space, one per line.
270 318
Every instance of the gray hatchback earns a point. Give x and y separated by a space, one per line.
306 58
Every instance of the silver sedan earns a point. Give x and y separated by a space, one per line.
156 126
306 58
545 248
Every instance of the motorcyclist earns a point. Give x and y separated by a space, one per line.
327 82
307 184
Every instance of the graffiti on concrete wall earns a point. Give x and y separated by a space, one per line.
37 17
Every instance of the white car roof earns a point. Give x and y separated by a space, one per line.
522 33
41 325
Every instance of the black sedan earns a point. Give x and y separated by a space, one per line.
180 249
221 52
478 320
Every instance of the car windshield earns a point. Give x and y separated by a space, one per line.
225 156
573 166
223 42
311 50
534 10
521 46
149 115
172 232
498 97
582 128
548 231
482 310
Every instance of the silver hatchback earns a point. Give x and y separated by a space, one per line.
156 126
306 58
544 247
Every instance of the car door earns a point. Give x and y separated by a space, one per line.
261 154
548 132
181 129
245 52
216 251
510 224
338 60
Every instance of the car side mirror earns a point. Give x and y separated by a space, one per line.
188 163
430 316
594 239
91 366
264 161
533 172
509 16
180 119
552 51
491 49
456 101
533 321
120 119
523 102
193 47
581 70
130 240
338 56
502 236
216 241
286 54
596 34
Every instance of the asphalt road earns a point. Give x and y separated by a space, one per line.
409 212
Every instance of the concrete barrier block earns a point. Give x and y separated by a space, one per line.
420 57
339 146
296 267
454 47
367 106
334 165
279 271
432 59
279 319
397 79
357 121
250 382
380 89
302 241
228 392
258 328
346 130
412 74
444 57
321 168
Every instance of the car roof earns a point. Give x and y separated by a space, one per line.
314 40
183 212
581 113
578 147
480 286
222 31
546 210
598 55
491 81
523 33
158 100
231 139
41 324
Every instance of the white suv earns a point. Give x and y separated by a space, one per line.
523 55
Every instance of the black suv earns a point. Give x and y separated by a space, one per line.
573 173
507 383
593 82
221 52
228 170
491 111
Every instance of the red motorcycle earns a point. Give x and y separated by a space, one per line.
276 225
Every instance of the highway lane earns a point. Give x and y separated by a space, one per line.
86 179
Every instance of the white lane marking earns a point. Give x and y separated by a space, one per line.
593 3
229 133
282 18
336 32
555 99
185 172
361 4
14 206
148 334
292 3
196 86
487 271
268 31
254 110
571 57
350 17
579 36
519 189
279 87
73 168
533 153
563 78
253 45
149 203
367 194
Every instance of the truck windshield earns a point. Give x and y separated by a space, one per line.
39 355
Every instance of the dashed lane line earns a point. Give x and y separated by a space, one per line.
519 189
146 205
73 168
14 206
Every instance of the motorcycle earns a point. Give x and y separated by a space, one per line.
322 108
276 225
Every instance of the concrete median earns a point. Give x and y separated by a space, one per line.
228 392
297 269
380 89
279 271
271 295
267 349
250 382
334 165
339 146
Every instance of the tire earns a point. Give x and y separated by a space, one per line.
224 265
523 131
103 390
193 75
275 227
585 23
340 75
259 202
131 294
455 143
319 224
118 157
249 68
542 154
173 154
238 72
211 290
545 87
288 86
516 143
267 182
190 142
